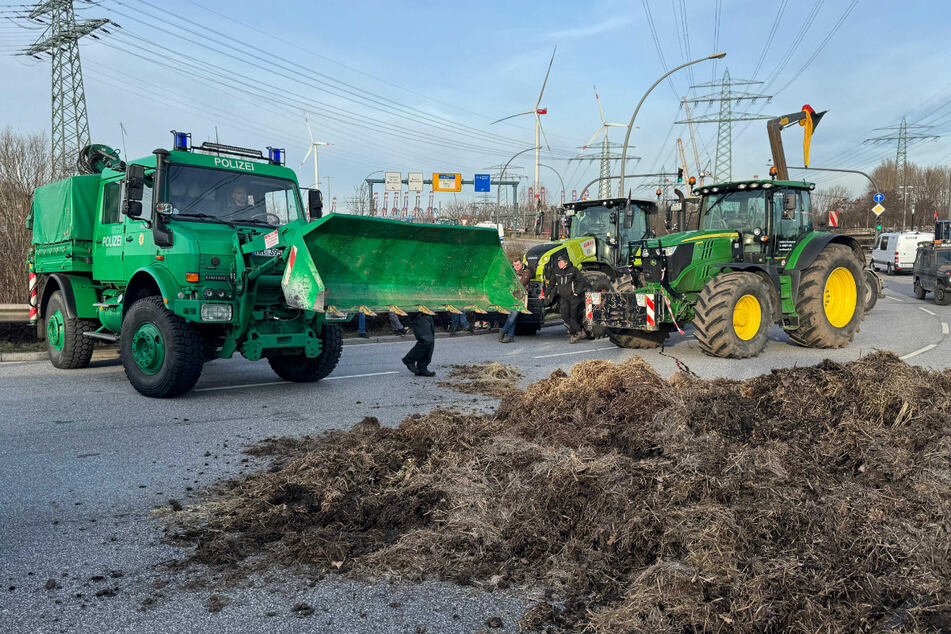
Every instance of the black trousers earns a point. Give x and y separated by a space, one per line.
425 331
570 307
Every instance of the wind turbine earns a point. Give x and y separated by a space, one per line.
313 148
604 183
538 123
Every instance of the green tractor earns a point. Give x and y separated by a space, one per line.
199 253
755 260
600 236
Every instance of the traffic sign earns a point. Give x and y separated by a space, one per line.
878 209
393 180
414 181
879 198
483 182
447 182
833 218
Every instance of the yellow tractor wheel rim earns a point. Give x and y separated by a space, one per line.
840 297
747 317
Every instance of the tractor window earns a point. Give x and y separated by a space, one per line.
789 225
591 221
741 211
110 203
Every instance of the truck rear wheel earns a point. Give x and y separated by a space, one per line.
637 338
67 346
162 353
919 290
299 368
733 314
828 299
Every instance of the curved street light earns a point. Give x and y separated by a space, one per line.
556 174
498 190
630 126
370 197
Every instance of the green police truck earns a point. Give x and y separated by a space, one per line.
756 260
198 253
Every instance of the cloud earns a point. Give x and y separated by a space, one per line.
611 24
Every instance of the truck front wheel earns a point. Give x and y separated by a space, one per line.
941 295
733 314
67 346
302 369
162 353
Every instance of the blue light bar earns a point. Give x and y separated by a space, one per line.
182 140
275 155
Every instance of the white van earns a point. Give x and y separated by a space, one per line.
895 252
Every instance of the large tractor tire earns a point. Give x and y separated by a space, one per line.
828 300
67 346
597 282
733 314
299 368
637 338
162 353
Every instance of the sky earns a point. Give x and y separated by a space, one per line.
415 86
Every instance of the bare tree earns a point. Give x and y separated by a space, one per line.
24 166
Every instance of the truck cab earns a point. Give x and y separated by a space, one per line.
932 271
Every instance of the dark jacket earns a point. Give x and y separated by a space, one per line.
569 281
524 276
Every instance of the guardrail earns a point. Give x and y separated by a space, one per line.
14 312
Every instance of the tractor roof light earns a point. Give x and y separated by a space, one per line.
692 181
752 185
275 155
715 189
181 141
773 172
741 186
659 192
767 185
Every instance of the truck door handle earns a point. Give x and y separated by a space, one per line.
128 239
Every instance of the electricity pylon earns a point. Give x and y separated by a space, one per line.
901 159
69 129
725 94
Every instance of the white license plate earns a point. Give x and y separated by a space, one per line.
595 298
641 299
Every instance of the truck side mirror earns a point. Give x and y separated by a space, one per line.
315 204
789 201
134 190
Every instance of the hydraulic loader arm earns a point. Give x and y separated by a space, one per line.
809 119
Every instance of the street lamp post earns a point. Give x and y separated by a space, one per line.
630 126
370 190
556 174
498 191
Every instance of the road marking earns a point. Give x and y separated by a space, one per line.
329 378
927 311
930 346
894 298
944 328
561 354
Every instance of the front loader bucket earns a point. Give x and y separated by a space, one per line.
372 264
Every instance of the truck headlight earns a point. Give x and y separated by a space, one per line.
669 251
216 312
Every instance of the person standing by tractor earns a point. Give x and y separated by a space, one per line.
507 335
417 360
571 286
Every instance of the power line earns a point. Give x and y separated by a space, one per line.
769 38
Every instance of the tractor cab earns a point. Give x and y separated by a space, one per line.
770 216
606 228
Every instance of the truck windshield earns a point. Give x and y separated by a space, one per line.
943 256
734 210
231 196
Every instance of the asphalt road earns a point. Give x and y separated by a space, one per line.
84 460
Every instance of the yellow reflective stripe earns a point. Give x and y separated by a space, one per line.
712 235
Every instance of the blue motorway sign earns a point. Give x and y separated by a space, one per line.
483 182
879 198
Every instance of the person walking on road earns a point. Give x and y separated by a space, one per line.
571 286
508 330
398 328
420 356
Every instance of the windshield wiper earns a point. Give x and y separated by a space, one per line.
252 221
201 216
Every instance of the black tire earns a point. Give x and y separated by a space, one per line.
815 330
75 350
526 330
597 281
724 300
298 368
871 290
637 338
180 365
942 297
919 291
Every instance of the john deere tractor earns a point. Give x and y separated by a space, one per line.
600 235
754 261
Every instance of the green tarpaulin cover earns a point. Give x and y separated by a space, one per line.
65 210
